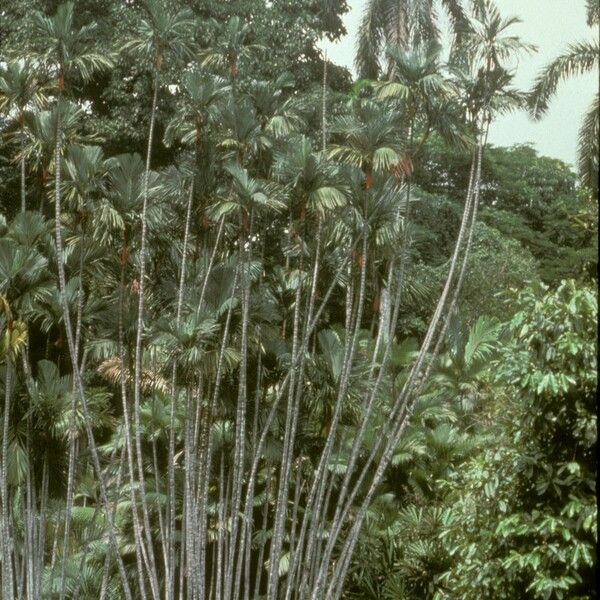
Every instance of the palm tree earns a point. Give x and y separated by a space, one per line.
403 24
419 85
315 190
369 138
164 33
14 337
85 170
487 43
20 89
39 149
579 58
200 96
278 116
197 113
250 200
229 48
68 53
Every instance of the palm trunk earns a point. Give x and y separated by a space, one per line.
170 552
476 189
317 492
296 387
343 508
33 520
70 494
288 440
161 521
205 461
41 537
106 567
7 551
265 518
72 350
140 554
240 428
72 457
284 384
30 521
138 351
189 497
400 413
23 169
221 511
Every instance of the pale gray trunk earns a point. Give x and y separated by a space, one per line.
170 549
400 415
205 462
72 457
140 555
341 513
138 353
261 550
41 541
240 434
7 550
106 567
23 173
315 499
73 355
288 440
221 511
466 254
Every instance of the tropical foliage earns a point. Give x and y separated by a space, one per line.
265 334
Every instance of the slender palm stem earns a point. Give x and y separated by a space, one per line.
138 346
7 550
72 352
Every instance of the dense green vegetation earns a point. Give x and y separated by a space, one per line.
267 332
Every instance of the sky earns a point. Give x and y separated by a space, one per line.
548 24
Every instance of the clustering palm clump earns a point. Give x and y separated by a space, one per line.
205 379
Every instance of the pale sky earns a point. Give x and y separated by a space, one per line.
549 24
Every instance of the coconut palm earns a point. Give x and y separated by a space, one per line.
579 58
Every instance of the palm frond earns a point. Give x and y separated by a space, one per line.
482 337
588 146
370 39
578 59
